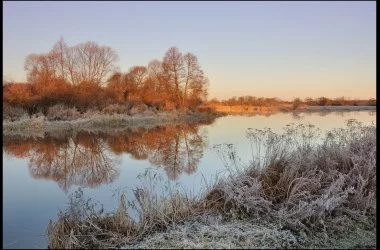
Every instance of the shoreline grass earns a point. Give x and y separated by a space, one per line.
39 124
297 192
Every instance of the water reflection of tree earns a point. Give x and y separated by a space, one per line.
78 160
176 149
181 152
88 159
296 116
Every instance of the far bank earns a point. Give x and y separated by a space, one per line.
94 121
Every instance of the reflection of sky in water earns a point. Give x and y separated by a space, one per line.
40 174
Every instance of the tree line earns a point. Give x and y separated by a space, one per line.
320 101
85 76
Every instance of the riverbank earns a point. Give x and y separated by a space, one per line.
336 108
300 195
249 109
38 124
269 110
102 122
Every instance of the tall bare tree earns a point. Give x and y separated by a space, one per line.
194 75
71 65
174 69
86 62
41 68
94 62
137 75
60 51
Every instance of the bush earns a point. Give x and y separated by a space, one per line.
36 121
296 103
372 102
306 185
323 101
336 103
13 113
117 109
138 109
61 113
207 110
169 106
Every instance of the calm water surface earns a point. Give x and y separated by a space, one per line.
40 173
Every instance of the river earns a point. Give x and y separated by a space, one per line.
40 173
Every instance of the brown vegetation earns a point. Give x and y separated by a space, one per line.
83 77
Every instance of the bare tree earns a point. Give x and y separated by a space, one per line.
137 75
71 65
94 62
41 68
194 76
157 75
86 62
198 90
174 69
60 51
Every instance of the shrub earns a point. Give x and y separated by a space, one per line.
168 106
117 109
372 102
207 110
323 101
138 109
308 186
13 113
336 103
296 103
61 113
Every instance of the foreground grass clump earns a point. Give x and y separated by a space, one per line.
299 190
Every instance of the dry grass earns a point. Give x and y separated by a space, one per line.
217 231
303 184
312 190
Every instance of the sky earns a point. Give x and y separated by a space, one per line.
264 49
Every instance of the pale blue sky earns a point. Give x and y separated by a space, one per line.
272 49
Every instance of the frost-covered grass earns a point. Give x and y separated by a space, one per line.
217 231
300 190
94 121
